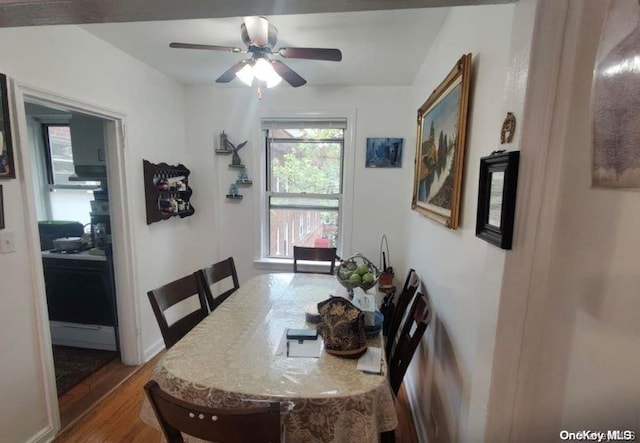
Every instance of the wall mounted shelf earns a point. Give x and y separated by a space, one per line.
167 191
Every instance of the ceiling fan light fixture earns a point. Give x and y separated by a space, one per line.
260 37
246 74
273 80
262 69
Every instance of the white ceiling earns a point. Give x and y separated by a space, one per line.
384 47
384 42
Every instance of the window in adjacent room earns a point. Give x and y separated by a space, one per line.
304 186
68 198
59 158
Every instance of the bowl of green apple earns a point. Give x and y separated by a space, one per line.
357 271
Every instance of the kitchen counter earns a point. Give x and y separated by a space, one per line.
84 255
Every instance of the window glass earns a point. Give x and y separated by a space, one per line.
60 157
304 187
59 138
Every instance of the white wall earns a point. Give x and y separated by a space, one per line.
582 348
380 194
68 62
462 274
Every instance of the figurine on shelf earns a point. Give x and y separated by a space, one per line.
243 177
226 147
163 185
235 160
224 140
233 191
174 205
225 144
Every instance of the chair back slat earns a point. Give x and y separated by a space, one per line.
169 295
404 299
260 423
409 338
303 253
216 273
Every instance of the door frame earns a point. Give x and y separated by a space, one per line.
123 245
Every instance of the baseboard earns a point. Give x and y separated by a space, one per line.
414 404
45 435
152 351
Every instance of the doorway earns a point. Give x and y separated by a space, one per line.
84 297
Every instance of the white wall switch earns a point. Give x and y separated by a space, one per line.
7 242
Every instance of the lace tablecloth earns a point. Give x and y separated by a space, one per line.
232 359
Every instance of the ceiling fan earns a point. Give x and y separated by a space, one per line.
260 37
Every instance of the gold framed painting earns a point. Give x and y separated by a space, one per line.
442 123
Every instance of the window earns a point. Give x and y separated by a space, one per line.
305 162
59 158
67 198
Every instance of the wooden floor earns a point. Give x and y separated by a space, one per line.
76 402
116 418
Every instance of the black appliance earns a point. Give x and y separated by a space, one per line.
80 291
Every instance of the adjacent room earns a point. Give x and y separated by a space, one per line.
361 222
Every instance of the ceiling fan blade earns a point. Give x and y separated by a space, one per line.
230 73
257 30
333 55
288 74
208 47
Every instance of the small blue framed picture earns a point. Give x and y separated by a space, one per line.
384 152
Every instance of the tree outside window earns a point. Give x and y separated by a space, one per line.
309 163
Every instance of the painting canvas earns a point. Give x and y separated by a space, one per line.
616 104
440 149
384 152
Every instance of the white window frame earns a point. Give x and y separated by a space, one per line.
261 259
295 230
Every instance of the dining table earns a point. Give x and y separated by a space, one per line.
235 358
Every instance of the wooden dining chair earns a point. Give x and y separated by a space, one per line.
404 299
216 273
169 295
303 253
220 425
412 331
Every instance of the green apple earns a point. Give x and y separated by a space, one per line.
368 277
355 278
363 269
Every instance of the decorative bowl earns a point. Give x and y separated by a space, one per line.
349 266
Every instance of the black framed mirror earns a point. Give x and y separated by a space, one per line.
497 197
7 168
